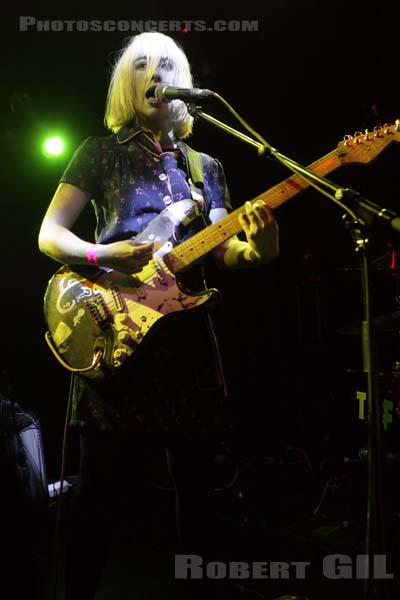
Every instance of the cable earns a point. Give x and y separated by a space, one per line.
304 454
325 490
59 498
243 122
230 484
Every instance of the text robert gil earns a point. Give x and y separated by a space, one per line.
334 566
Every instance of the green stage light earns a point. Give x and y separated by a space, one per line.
53 146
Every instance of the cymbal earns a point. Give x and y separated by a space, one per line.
385 323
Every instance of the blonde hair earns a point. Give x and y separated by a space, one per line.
122 97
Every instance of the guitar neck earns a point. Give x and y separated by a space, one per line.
200 244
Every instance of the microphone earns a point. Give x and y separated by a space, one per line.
166 93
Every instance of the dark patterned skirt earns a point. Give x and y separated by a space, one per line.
173 385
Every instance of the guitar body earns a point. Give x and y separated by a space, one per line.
92 310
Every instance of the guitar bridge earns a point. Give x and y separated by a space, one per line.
99 311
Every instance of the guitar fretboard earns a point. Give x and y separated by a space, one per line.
360 148
200 244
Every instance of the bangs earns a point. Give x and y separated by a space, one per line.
157 48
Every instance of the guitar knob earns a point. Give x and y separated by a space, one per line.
120 318
124 336
119 356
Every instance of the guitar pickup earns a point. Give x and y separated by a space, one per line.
116 296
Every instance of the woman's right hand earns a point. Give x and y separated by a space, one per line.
57 240
125 256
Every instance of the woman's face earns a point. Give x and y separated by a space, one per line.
152 112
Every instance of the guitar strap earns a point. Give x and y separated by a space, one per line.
195 165
196 176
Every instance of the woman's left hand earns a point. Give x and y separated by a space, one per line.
261 229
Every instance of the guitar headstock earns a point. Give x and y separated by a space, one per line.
362 147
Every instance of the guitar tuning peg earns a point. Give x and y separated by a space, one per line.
397 124
357 135
347 139
367 135
387 128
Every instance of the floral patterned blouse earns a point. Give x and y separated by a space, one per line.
176 385
131 182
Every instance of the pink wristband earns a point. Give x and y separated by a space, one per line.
91 254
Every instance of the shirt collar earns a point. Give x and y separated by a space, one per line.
127 132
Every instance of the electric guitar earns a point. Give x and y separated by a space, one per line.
98 318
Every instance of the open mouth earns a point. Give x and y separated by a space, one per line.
151 97
151 92
154 102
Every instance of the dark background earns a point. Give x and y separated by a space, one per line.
311 74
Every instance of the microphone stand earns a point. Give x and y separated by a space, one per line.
359 215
